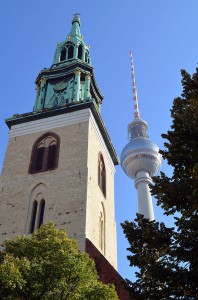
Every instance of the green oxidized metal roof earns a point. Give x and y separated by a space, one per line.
63 70
73 37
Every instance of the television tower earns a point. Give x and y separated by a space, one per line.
140 158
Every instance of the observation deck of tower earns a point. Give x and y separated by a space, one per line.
140 158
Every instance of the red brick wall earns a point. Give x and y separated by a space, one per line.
106 272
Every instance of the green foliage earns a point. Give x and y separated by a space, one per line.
48 265
167 257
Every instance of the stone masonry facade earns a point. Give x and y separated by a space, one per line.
73 198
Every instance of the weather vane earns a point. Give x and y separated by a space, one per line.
77 15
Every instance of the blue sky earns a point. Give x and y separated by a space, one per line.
163 37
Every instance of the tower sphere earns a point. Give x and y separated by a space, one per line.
140 154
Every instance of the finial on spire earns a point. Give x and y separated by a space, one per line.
76 18
77 15
135 97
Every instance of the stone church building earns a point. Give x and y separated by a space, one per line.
60 162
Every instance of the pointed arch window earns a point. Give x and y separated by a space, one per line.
87 57
63 54
33 218
45 153
67 52
38 209
41 212
102 229
102 174
101 232
70 50
80 51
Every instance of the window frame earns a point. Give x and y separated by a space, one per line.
80 51
102 178
44 167
70 50
33 216
102 229
63 54
41 212
37 217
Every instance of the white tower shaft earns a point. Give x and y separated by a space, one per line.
145 204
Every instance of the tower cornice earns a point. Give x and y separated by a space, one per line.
64 69
59 71
32 116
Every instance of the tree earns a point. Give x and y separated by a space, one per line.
167 258
48 265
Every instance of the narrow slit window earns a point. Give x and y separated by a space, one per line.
102 175
101 232
80 52
70 52
41 213
87 57
102 229
33 219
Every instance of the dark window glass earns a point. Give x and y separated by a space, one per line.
45 153
39 159
86 56
102 175
80 52
33 220
41 215
51 159
63 54
104 182
70 52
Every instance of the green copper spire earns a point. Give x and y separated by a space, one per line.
73 47
75 31
70 80
67 86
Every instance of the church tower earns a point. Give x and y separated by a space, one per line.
59 163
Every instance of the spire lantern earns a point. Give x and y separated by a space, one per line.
73 48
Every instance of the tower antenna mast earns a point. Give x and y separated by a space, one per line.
134 89
140 158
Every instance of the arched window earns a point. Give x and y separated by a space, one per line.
80 52
102 229
37 220
63 54
87 57
101 232
41 212
102 174
45 153
33 218
70 53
